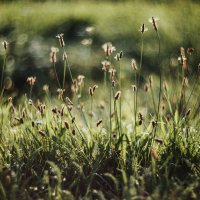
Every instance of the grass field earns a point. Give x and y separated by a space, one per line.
131 134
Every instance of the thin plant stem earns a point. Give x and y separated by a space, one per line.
110 114
120 102
64 73
3 69
54 66
160 76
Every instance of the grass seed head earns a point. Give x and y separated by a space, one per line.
117 95
105 65
134 87
134 65
61 39
42 133
5 44
154 20
31 80
146 87
99 122
66 125
108 48
53 57
143 29
119 56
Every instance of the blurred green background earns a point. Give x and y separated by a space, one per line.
31 27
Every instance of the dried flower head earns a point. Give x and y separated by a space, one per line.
153 20
117 95
133 64
5 44
53 53
61 39
87 42
143 29
74 86
105 65
31 80
108 48
119 56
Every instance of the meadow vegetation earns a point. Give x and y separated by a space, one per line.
131 134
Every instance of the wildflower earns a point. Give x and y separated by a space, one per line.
119 56
117 95
105 65
31 80
143 29
108 48
153 21
54 50
5 44
134 88
134 65
61 40
87 42
182 59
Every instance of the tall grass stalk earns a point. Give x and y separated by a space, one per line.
2 73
